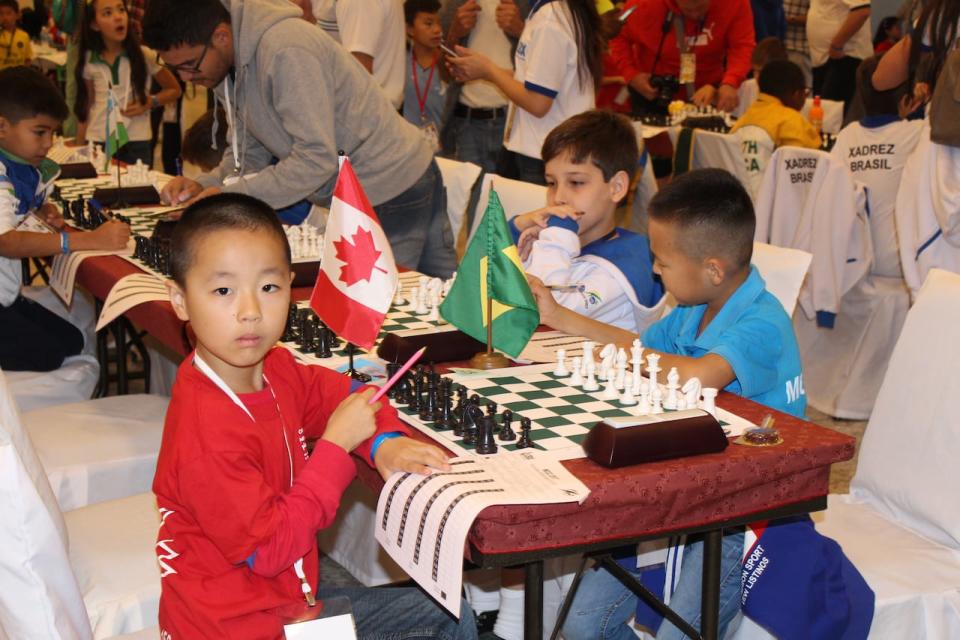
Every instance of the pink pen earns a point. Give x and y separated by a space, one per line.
389 383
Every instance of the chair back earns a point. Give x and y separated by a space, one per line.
783 270
458 181
832 114
756 147
516 197
40 597
907 461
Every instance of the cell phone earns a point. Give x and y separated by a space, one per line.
447 50
626 14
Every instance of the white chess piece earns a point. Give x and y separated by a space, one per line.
587 347
621 369
398 296
626 398
447 284
673 383
681 402
412 300
561 370
590 383
643 406
433 315
656 400
653 368
576 379
610 390
422 307
691 391
709 400
608 357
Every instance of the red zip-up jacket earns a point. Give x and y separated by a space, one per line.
725 36
232 524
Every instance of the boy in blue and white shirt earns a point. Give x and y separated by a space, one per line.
573 244
424 92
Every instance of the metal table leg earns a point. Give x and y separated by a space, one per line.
533 601
710 604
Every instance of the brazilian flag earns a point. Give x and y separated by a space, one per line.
492 267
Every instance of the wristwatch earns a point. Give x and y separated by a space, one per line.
154 102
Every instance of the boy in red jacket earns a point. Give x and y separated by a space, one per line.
240 499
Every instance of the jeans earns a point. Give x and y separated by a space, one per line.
477 141
402 614
35 338
418 228
517 166
603 606
837 80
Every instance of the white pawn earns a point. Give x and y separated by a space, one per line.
422 308
412 300
673 383
691 391
621 369
576 379
398 296
643 406
610 390
656 400
590 383
433 315
709 401
447 284
653 368
561 370
627 398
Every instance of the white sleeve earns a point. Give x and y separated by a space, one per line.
548 55
360 23
9 203
552 254
153 67
599 296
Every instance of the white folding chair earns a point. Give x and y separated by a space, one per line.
516 197
756 148
747 95
89 573
458 180
783 271
646 189
832 114
712 150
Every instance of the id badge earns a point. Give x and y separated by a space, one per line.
429 131
335 620
688 67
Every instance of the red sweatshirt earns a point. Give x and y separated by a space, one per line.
726 34
232 523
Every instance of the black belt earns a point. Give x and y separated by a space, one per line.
463 111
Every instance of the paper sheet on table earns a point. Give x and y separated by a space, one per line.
543 347
423 521
129 292
62 154
63 277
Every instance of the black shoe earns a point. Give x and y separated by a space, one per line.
485 621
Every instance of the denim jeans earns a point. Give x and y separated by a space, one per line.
477 141
603 605
402 614
418 228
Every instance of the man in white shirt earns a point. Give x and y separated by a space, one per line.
838 32
372 31
475 129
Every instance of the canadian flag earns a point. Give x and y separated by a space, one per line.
358 275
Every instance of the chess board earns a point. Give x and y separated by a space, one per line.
561 414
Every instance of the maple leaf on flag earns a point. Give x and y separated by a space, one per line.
359 257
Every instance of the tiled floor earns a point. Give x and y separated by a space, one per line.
841 473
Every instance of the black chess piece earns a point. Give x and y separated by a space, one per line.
392 368
428 408
472 417
352 371
445 409
506 432
306 337
140 249
524 442
288 327
491 408
417 396
486 444
324 343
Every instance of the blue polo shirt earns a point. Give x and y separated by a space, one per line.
753 333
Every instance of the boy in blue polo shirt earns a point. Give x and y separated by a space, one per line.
729 332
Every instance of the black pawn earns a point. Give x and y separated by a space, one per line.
392 368
429 406
506 431
291 317
524 441
485 442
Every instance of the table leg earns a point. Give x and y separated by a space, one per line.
120 335
533 601
710 603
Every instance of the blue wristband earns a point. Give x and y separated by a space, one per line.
379 440
64 242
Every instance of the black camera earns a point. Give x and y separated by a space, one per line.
667 88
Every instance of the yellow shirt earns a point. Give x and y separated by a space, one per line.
785 126
15 48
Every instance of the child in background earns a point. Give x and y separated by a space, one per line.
783 92
424 92
111 59
767 50
573 244
199 148
241 499
31 109
888 34
729 332
15 46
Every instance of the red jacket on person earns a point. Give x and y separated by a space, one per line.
725 35
240 501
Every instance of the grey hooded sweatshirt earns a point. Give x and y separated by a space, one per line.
299 97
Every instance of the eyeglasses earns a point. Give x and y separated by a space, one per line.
192 69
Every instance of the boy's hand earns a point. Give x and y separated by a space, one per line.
112 235
406 454
727 98
353 421
179 190
546 304
539 217
469 65
466 18
49 213
508 18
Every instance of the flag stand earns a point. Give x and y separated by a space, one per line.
489 359
120 203
359 376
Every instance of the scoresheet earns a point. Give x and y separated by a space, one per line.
422 521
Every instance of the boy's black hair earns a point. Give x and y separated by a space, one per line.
605 138
712 213
781 79
12 4
412 7
27 93
224 211
768 50
877 103
172 23
197 146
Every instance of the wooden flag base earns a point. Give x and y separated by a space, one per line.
489 360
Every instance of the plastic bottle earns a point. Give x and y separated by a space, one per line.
816 114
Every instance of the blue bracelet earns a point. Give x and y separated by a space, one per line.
379 440
64 242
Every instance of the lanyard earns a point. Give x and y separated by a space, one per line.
217 380
422 101
232 122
